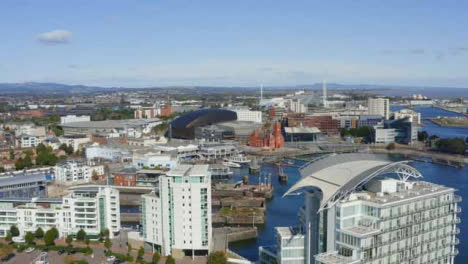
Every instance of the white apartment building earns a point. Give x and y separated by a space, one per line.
27 129
297 106
412 116
76 141
27 141
92 209
72 172
368 209
108 153
379 106
384 135
74 118
248 115
394 221
178 218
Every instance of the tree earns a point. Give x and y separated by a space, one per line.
108 243
14 231
141 252
422 136
87 241
81 235
69 240
106 232
390 146
170 260
12 154
156 258
29 237
55 232
5 251
95 176
67 148
217 257
49 237
8 237
39 233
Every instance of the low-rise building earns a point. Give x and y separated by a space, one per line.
72 172
74 118
92 209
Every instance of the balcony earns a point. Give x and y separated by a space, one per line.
457 198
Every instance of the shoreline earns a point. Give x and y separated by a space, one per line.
434 120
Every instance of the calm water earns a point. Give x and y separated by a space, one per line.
283 211
433 129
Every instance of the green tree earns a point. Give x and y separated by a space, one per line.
81 235
170 260
422 136
69 240
87 241
2 169
14 231
39 233
141 252
108 243
49 237
40 148
67 148
12 154
29 238
217 257
156 258
8 237
55 232
95 176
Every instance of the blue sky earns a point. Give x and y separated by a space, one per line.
139 43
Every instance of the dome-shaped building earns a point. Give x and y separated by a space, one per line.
184 126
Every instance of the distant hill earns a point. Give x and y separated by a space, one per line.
49 88
389 90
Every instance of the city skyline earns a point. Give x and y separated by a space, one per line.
121 43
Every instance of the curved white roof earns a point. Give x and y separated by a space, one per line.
338 175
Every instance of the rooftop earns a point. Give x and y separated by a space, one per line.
338 175
20 179
111 123
189 170
301 130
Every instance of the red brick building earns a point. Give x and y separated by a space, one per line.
267 137
275 113
165 110
125 178
324 123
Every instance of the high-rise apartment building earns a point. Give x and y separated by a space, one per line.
177 219
379 106
361 208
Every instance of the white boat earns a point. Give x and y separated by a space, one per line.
237 159
231 164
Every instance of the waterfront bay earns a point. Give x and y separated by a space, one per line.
284 211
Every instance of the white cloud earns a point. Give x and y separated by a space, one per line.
55 37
